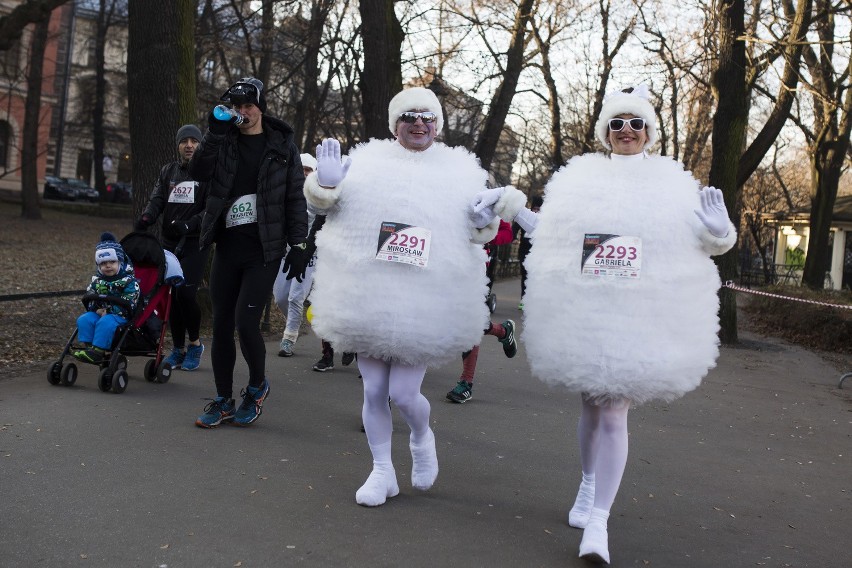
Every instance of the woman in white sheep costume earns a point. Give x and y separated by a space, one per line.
621 301
404 307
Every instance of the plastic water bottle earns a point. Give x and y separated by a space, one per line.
225 114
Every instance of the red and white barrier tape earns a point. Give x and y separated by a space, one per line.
730 284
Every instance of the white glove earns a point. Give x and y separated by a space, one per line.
485 200
713 212
330 170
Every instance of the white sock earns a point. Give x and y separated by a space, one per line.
424 462
579 514
595 543
381 484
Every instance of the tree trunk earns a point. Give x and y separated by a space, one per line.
184 44
486 146
153 75
98 137
29 151
729 130
381 78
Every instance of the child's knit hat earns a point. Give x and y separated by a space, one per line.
109 249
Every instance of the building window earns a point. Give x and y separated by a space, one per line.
207 72
5 139
84 165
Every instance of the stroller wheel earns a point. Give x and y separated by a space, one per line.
68 376
121 362
164 372
492 302
151 370
53 373
105 380
119 381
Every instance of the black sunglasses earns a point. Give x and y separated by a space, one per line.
411 117
617 124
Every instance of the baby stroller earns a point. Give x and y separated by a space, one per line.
143 335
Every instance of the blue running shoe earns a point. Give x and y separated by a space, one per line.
252 405
176 357
218 411
192 360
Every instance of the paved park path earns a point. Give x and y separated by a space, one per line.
752 469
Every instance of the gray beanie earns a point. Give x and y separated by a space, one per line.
187 131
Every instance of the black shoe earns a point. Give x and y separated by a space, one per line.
347 358
510 345
324 364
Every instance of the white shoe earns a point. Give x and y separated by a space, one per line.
424 463
579 514
379 487
595 544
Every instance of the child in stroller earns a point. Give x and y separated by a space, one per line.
127 301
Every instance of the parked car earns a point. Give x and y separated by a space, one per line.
119 192
58 188
84 191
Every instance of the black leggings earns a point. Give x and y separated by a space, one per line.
240 285
185 316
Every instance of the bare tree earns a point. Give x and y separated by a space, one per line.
29 12
32 111
729 131
381 78
103 22
831 94
498 109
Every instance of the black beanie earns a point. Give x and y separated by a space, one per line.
187 131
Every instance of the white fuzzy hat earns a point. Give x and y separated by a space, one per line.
636 103
415 98
308 161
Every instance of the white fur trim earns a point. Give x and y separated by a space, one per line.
510 204
653 337
487 233
712 245
393 311
635 103
320 198
308 161
415 98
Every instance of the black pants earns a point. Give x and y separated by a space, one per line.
240 285
185 316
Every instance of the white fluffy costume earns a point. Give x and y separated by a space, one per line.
651 337
388 310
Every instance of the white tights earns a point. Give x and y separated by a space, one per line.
602 433
402 384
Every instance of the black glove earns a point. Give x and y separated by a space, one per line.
296 261
180 227
143 222
217 126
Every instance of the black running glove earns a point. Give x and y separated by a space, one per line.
296 261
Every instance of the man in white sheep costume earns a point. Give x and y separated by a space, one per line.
400 276
621 301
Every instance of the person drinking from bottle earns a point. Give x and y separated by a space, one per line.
254 210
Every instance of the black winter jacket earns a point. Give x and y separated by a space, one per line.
282 216
174 210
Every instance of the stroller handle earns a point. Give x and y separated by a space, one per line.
106 299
